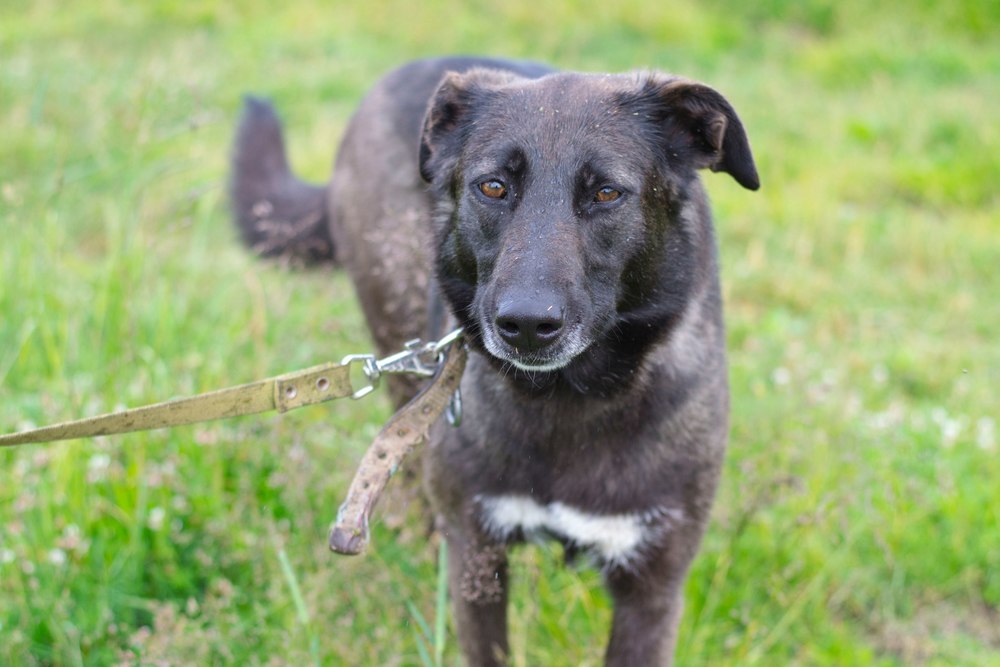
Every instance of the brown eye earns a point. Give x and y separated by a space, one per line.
493 189
606 195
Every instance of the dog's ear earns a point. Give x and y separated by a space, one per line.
450 107
447 107
700 125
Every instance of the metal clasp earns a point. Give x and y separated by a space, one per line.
419 358
369 364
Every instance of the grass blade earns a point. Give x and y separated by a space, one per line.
441 608
293 585
300 605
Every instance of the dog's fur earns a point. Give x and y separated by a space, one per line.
559 218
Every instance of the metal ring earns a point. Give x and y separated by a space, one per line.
370 368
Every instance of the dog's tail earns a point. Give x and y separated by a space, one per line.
277 214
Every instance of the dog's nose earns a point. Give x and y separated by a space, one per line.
530 324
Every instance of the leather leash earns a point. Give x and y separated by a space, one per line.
281 393
443 360
405 430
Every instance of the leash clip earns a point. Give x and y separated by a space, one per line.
419 358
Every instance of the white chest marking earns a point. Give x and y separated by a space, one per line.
616 538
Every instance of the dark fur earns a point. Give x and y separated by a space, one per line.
597 377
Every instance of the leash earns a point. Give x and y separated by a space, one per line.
281 393
405 430
442 360
286 392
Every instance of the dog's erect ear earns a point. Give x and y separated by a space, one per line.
700 124
450 107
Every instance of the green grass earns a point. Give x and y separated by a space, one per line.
858 522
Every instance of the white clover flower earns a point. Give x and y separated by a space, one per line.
986 436
156 517
98 463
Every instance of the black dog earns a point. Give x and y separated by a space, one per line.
559 218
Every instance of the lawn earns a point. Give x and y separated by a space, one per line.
858 521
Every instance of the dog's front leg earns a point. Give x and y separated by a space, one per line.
477 574
647 611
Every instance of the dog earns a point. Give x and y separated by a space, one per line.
560 219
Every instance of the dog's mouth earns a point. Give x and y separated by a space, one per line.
553 357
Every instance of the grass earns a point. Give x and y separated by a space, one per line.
858 522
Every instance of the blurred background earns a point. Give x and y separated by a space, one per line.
858 522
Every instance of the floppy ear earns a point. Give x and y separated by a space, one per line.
701 125
450 106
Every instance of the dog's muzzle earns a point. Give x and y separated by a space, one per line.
531 332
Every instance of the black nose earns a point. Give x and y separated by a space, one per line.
530 324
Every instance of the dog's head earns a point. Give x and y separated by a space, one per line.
570 223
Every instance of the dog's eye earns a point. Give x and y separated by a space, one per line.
493 189
606 195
